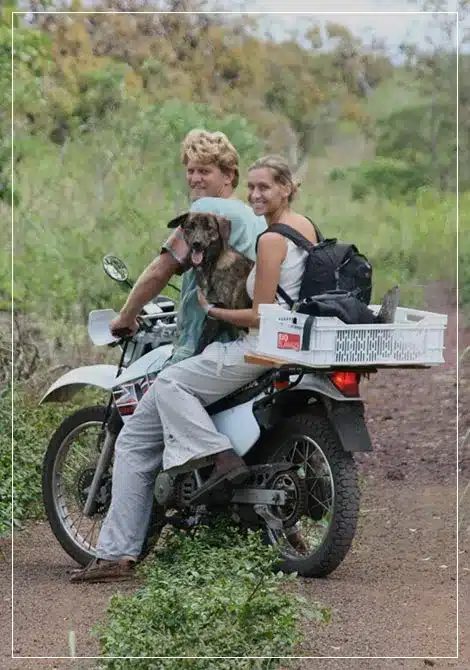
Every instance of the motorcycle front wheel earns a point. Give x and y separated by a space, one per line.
322 495
68 468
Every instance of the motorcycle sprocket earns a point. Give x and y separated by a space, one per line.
296 497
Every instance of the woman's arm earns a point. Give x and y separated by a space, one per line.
272 249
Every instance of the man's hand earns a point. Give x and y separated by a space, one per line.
122 324
202 300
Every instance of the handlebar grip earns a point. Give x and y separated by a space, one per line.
121 332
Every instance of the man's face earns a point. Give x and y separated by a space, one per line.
207 180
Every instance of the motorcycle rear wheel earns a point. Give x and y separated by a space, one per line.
67 448
319 541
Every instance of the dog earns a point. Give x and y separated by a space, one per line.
221 272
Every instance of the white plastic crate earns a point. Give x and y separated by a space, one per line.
416 337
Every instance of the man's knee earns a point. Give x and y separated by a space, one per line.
164 376
165 379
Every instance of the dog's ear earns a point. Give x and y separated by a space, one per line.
225 227
178 221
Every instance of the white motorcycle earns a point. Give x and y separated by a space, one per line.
296 428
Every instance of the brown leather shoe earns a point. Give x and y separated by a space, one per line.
105 571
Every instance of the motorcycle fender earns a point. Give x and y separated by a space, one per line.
347 418
102 376
239 425
145 365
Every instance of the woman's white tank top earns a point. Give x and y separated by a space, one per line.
292 270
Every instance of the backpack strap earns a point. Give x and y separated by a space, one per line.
293 235
298 239
317 230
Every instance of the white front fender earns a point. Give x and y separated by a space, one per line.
102 376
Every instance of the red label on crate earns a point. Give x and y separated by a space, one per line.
288 341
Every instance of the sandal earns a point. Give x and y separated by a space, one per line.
105 571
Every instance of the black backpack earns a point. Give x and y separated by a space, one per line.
336 276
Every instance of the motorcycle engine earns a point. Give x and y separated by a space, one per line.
186 487
170 490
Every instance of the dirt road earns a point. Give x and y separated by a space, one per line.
394 595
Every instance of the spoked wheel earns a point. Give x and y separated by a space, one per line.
68 469
321 508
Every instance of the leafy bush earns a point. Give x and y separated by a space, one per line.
424 137
5 462
33 427
109 191
464 255
386 177
408 244
214 594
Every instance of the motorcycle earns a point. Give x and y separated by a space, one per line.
297 429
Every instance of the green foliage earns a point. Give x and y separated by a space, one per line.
5 461
71 71
102 91
110 191
424 137
32 56
398 237
464 254
386 177
214 594
32 429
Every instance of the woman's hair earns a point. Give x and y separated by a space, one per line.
281 172
205 147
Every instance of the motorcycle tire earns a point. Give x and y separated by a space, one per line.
277 444
81 554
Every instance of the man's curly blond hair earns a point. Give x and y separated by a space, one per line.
215 148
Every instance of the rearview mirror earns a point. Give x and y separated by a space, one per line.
115 268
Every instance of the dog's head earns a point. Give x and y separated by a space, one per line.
206 236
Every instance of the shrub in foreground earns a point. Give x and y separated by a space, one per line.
213 594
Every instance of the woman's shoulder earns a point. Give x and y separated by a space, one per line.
303 225
272 245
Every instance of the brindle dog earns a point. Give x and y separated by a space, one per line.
221 271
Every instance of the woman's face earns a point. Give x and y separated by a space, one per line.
265 195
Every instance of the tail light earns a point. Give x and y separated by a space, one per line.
280 384
346 382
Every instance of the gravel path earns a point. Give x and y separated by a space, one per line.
394 595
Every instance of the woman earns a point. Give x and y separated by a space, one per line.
182 390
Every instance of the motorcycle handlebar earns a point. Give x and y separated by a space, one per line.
122 333
143 321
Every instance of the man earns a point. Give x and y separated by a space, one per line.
212 175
